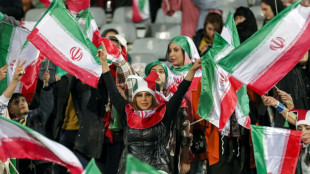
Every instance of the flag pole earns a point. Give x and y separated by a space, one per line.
281 90
197 121
48 64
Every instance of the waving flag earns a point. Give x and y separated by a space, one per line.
18 141
266 57
14 46
88 24
276 150
222 94
92 168
140 10
46 2
58 36
75 6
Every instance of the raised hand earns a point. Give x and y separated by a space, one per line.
19 71
46 78
3 72
269 101
286 99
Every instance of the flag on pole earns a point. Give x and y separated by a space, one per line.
276 150
58 36
75 6
14 46
135 166
266 57
140 10
18 141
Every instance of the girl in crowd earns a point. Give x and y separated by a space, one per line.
204 37
271 8
146 121
302 122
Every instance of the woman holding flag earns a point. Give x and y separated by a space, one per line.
146 121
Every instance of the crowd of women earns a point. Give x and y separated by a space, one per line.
150 117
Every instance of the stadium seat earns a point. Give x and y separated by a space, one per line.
99 15
128 30
34 14
163 30
150 45
161 17
124 14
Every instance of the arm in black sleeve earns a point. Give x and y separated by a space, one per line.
117 99
175 102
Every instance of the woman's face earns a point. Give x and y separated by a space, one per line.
210 30
305 133
267 11
239 19
176 54
144 100
119 47
161 72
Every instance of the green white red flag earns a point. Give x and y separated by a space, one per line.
46 2
58 36
13 47
75 6
266 57
140 10
135 166
18 141
276 150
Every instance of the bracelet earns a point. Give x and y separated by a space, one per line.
280 107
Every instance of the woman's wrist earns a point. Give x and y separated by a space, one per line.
280 107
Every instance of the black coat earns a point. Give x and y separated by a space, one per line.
89 104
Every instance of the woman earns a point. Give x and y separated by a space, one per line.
145 136
204 37
245 23
271 8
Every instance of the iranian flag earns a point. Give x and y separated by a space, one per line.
135 166
221 94
58 36
266 57
13 47
275 150
140 10
28 24
75 6
18 141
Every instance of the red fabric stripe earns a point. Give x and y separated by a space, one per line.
278 70
78 5
292 152
46 2
24 148
229 102
60 60
136 17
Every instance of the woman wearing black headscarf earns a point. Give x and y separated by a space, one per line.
245 22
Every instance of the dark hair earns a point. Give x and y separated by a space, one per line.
14 97
249 26
272 4
105 32
216 20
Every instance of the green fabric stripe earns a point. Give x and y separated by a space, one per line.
230 24
206 101
181 69
6 33
141 5
84 15
66 20
60 72
134 166
183 43
257 133
242 52
92 168
243 101
148 67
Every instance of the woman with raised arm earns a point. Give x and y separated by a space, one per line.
146 121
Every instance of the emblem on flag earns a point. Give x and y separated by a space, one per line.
76 53
277 43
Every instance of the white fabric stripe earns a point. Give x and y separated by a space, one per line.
220 90
92 28
246 69
227 35
48 30
275 142
226 50
8 130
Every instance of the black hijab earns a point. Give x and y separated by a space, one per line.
249 26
